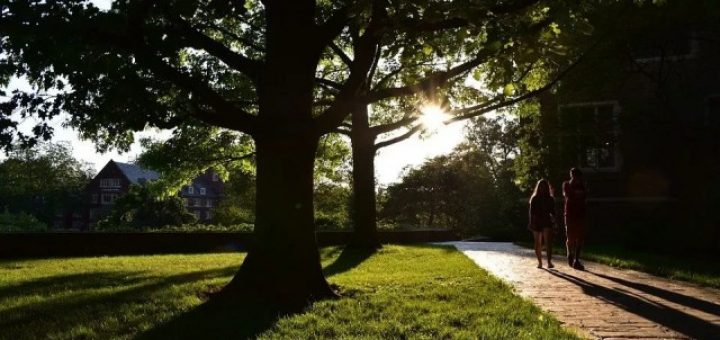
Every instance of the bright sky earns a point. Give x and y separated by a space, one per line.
389 163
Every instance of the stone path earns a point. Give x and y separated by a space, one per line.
603 302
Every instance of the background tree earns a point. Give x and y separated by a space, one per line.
251 67
43 182
470 190
139 209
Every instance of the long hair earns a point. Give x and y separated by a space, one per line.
543 189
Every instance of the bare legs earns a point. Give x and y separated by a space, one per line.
538 247
545 235
574 246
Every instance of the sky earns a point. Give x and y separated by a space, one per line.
390 160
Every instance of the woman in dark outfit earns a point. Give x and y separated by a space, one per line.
542 218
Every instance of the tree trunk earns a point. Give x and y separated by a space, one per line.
364 215
283 263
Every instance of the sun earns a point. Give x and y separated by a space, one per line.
433 117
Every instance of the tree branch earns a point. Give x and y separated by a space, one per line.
332 27
473 111
433 80
237 61
341 53
415 129
384 128
366 46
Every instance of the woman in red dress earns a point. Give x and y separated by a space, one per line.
542 218
575 193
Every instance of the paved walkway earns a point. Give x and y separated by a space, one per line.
603 302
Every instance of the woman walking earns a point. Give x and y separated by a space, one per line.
575 193
542 218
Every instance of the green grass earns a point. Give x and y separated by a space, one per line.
701 271
397 292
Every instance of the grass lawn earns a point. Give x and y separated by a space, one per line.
397 292
704 272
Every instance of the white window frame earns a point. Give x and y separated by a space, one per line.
208 203
616 131
108 198
191 190
202 191
215 177
109 182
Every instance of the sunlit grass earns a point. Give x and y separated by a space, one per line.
397 292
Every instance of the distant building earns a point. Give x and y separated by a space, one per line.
116 178
203 194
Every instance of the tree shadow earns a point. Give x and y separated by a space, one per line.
681 299
82 301
349 258
244 319
679 321
74 282
221 319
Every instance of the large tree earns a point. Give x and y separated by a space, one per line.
260 68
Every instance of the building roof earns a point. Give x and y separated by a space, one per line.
135 174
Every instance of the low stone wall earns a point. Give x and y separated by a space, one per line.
15 245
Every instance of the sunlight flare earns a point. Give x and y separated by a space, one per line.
433 117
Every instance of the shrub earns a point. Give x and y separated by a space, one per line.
20 222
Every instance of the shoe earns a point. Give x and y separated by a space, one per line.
539 265
571 261
551 266
578 265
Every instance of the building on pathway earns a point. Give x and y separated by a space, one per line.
116 178
642 120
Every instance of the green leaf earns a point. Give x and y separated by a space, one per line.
427 49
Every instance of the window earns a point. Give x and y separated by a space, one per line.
191 190
186 202
215 177
202 191
108 199
109 182
94 198
207 215
590 131
193 202
208 203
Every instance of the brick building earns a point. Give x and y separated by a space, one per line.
643 123
116 178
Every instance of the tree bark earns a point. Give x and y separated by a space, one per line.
283 263
364 215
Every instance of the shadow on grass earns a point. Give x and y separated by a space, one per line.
674 319
245 319
349 258
216 319
72 282
82 299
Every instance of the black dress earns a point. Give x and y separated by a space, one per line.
542 210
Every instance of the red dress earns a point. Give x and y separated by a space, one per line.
575 211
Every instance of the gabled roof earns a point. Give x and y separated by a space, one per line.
135 174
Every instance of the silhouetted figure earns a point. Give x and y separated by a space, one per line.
575 193
542 219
